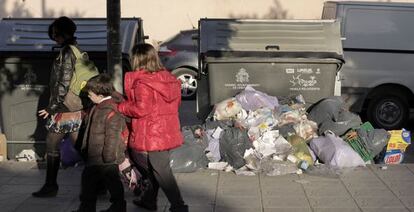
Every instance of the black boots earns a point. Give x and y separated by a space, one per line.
116 207
149 205
50 188
181 208
46 191
86 207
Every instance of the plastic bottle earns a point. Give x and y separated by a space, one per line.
302 164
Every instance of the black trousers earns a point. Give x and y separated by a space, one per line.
91 178
155 166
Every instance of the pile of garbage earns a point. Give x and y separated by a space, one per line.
254 132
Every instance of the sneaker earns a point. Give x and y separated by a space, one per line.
146 205
181 208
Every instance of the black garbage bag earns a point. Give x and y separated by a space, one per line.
344 122
286 130
330 115
325 109
190 156
210 123
409 154
375 140
233 143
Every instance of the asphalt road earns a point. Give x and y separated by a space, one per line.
188 115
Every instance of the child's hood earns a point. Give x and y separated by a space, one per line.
163 83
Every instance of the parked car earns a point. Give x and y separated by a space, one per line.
179 55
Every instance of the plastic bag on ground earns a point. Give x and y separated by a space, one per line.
252 158
27 155
306 129
210 123
213 148
271 143
300 148
258 117
294 102
258 122
251 99
330 115
344 122
265 144
333 151
326 109
190 156
277 168
233 143
227 109
244 171
218 165
322 170
375 139
293 116
286 130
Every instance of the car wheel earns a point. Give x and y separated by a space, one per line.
188 82
388 111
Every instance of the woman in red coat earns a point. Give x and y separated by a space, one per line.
153 97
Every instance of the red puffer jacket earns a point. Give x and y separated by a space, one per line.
153 101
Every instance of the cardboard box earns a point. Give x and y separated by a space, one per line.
396 146
3 147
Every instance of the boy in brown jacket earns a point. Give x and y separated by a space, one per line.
103 145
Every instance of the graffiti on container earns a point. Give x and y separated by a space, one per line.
298 83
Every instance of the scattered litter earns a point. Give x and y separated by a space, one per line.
218 165
255 133
397 144
27 155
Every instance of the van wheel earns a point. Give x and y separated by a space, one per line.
388 111
188 82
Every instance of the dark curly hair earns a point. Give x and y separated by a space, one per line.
64 27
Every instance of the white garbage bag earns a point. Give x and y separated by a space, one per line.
27 155
333 151
251 99
227 109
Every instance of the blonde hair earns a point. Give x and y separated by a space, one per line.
144 56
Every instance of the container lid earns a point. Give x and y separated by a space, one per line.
31 34
282 36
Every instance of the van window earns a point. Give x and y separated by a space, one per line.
388 29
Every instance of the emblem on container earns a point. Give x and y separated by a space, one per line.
242 76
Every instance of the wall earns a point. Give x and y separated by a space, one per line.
164 18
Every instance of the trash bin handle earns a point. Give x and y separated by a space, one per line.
268 47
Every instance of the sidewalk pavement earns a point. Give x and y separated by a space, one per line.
361 189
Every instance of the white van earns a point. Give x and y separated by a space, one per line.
378 42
